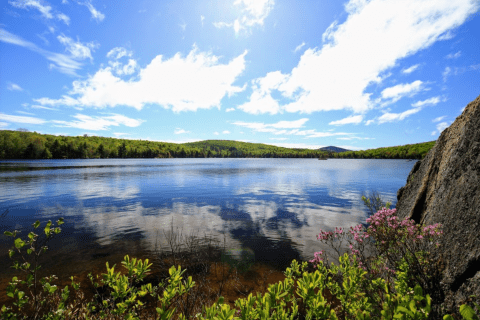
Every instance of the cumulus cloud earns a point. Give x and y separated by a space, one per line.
177 83
98 123
225 132
260 100
230 109
21 119
78 50
410 69
41 6
374 37
253 12
14 87
348 120
64 63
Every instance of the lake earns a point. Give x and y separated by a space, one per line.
274 208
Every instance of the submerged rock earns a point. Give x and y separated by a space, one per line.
444 188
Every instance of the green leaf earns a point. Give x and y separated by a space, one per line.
60 222
448 317
418 290
8 234
29 251
36 224
11 253
19 243
467 312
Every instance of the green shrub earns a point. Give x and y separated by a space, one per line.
347 290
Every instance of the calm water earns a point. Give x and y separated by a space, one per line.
272 207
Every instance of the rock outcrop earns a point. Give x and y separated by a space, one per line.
444 187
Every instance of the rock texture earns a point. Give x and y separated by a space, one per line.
444 187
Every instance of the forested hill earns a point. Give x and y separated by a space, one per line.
240 149
333 149
409 151
32 145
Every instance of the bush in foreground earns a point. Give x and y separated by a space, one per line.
385 275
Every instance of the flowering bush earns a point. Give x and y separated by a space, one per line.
385 245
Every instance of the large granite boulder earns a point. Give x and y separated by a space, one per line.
444 187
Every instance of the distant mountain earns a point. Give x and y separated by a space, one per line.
333 149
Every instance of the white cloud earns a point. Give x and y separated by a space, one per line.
446 73
98 123
230 110
395 93
14 87
458 70
299 47
439 119
440 127
44 9
120 134
62 62
118 52
260 100
279 139
220 25
294 145
21 119
216 133
225 132
454 55
354 138
177 83
391 117
97 15
42 107
202 18
27 113
374 37
348 120
77 49
253 12
4 124
180 131
64 18
410 69
123 69
428 102
281 128
261 127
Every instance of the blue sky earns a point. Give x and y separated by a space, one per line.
358 74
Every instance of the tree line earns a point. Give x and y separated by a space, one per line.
409 151
32 145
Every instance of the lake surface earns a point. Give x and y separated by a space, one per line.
112 207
